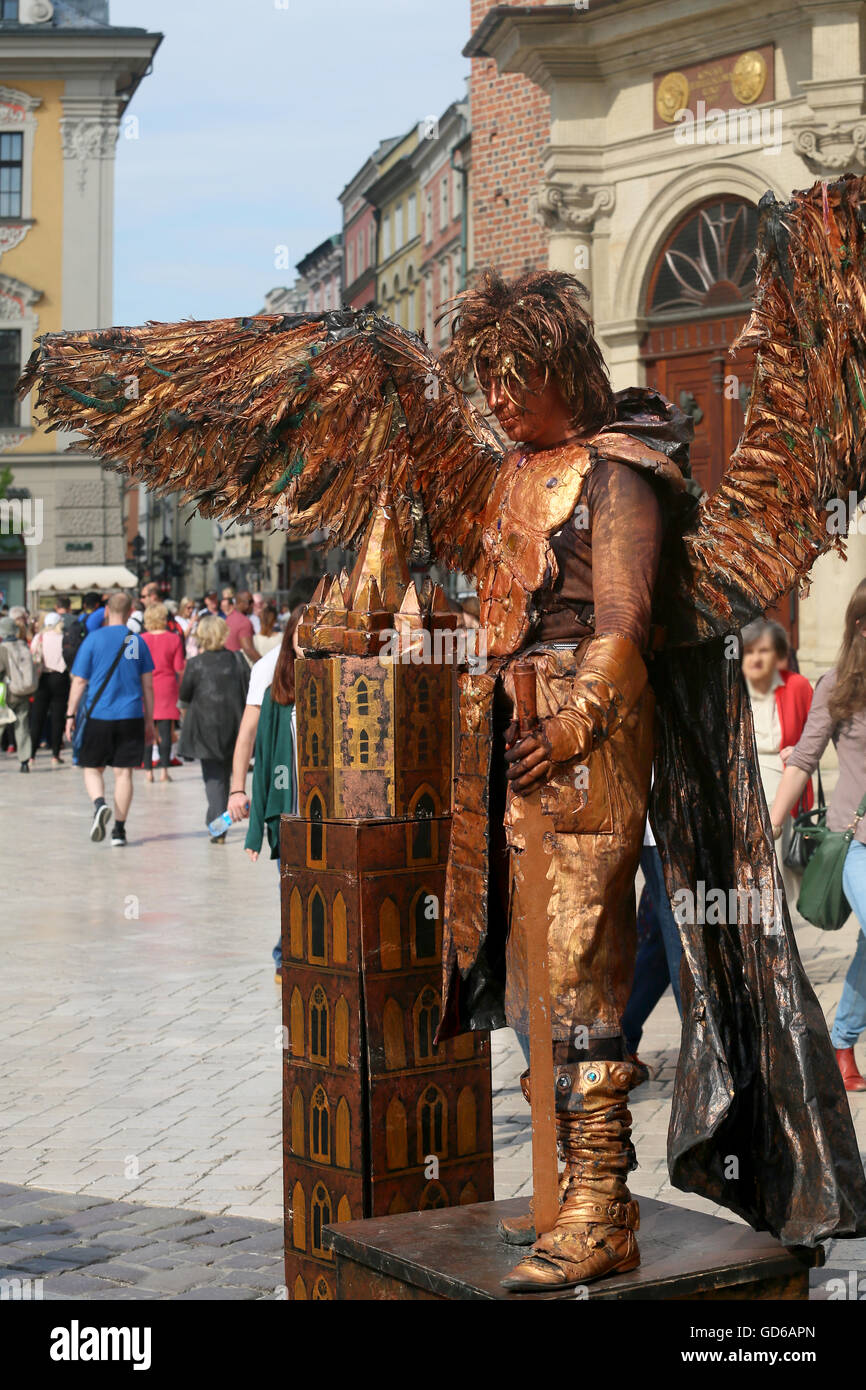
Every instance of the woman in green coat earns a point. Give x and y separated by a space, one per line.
275 781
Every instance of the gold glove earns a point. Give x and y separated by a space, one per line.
611 678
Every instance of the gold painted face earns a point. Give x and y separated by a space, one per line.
524 409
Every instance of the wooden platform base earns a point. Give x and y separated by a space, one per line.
456 1253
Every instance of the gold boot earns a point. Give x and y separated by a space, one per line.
594 1232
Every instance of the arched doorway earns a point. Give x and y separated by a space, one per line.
698 298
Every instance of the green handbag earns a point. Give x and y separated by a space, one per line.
822 898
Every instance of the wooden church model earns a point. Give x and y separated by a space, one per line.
377 1118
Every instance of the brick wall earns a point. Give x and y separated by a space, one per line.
510 129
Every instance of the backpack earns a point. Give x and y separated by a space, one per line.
22 675
74 634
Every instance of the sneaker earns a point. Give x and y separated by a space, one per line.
25 767
118 836
101 817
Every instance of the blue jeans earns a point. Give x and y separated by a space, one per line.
658 958
850 1019
659 954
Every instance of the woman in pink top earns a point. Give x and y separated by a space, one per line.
166 648
49 702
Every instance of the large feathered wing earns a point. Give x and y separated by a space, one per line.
293 420
803 448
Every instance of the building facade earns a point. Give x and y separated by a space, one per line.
668 122
511 127
442 190
361 230
67 76
394 195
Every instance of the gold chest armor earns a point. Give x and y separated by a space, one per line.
533 496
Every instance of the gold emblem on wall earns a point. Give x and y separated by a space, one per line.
749 77
672 95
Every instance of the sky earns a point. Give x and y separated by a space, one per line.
255 116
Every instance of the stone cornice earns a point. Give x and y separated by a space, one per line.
557 43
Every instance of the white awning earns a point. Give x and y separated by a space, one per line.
79 579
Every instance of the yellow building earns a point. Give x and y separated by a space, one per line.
395 196
66 79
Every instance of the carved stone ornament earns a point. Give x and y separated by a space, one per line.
16 107
11 436
35 11
841 146
570 207
16 298
11 233
84 138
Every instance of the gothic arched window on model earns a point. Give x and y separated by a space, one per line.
320 1127
318 1025
424 916
343 1134
315 830
314 749
299 1223
432 1124
426 1014
362 697
341 1033
422 808
393 1036
363 747
314 699
317 944
390 949
296 1024
320 1215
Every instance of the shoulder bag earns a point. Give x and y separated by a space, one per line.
822 899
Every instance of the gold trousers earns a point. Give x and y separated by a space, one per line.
574 851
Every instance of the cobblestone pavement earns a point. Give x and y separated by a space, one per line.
139 1051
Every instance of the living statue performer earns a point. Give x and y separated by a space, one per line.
596 563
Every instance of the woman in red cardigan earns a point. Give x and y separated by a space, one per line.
780 701
166 648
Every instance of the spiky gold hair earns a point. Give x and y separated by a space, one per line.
536 323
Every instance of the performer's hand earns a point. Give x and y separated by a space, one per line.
528 759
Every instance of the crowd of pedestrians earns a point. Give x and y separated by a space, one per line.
128 682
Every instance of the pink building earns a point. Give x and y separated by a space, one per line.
360 230
446 254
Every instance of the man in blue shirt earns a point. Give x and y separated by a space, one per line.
115 668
